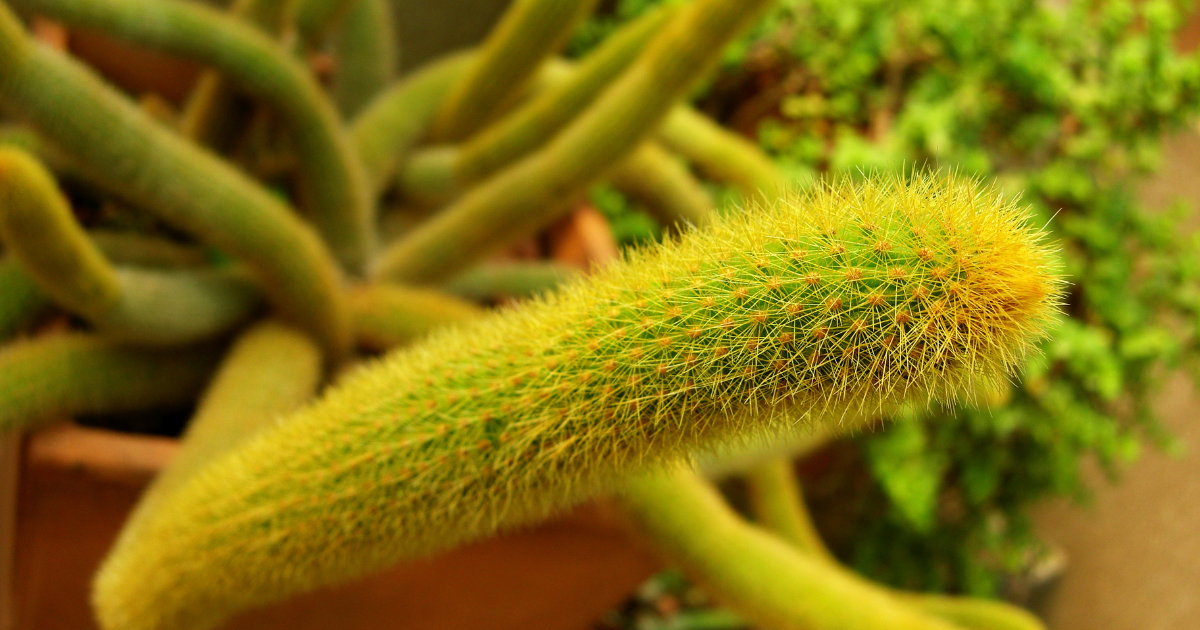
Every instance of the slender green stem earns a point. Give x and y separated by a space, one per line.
721 154
365 49
386 316
187 187
57 376
390 126
664 186
20 299
528 33
757 574
533 192
143 250
510 279
316 19
334 187
777 501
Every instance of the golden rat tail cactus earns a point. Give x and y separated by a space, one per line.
852 296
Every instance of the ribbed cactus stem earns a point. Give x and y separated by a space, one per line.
528 33
515 279
386 316
187 187
570 91
720 154
157 307
758 575
54 377
777 503
536 190
20 299
392 123
333 183
38 227
849 298
366 53
663 185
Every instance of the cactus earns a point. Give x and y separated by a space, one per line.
142 250
664 185
510 279
844 299
777 503
137 305
386 316
528 33
20 299
188 187
720 153
366 55
388 128
340 203
532 192
438 173
50 378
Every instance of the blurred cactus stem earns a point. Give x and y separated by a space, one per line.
533 192
186 186
386 316
663 185
721 154
395 120
442 173
20 299
57 376
269 372
334 188
316 19
777 503
529 32
366 53
145 250
516 279
181 307
757 574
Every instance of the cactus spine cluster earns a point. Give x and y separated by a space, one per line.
847 298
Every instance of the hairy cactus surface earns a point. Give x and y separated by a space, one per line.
849 297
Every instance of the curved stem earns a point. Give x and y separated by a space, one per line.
56 376
20 299
365 50
533 192
388 315
118 145
721 154
664 185
510 279
334 185
528 33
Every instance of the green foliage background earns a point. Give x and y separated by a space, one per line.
1068 105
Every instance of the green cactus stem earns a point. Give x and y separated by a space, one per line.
664 186
515 279
529 32
188 187
366 52
146 306
386 316
720 154
316 19
53 377
270 372
849 298
143 250
20 300
758 575
777 503
211 116
440 173
391 125
334 186
534 191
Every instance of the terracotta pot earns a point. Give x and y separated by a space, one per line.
65 502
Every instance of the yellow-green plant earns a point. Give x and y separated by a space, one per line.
799 311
